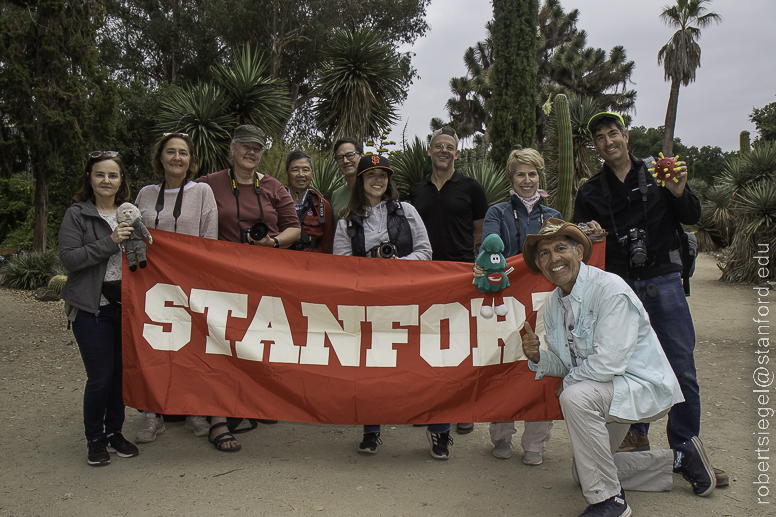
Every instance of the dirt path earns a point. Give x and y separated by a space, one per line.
300 469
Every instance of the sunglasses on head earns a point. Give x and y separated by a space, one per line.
100 154
178 134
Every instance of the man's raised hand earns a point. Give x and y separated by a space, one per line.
530 343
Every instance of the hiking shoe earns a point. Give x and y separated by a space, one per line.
464 428
503 449
613 507
369 444
721 477
532 458
634 443
152 425
692 462
97 453
439 444
198 424
121 446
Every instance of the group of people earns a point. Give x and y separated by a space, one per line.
622 339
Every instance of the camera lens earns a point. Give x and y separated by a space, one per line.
258 231
387 250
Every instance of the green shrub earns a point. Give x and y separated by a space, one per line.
31 270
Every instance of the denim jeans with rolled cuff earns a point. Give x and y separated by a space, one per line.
670 317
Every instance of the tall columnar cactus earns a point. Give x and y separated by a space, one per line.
563 199
744 143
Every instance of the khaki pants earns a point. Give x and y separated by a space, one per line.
535 434
595 436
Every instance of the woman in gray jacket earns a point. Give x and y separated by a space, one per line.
90 249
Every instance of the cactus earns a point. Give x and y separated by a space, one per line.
563 195
57 283
744 143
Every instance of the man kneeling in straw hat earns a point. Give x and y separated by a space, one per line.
614 372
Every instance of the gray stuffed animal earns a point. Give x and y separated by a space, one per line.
134 245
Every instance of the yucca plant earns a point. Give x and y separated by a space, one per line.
31 270
410 166
492 178
717 208
253 96
360 86
698 187
705 233
753 210
202 111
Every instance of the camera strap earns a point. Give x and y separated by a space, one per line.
176 211
236 194
642 189
517 219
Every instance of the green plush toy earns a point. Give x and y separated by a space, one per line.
491 259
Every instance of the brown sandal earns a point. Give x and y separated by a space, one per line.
222 438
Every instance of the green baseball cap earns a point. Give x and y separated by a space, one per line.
248 133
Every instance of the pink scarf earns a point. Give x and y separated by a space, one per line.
531 201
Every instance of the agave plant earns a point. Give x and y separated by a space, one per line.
326 176
492 178
410 166
360 86
31 270
253 96
203 113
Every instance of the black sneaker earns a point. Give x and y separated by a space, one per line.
97 453
439 443
118 444
695 466
369 444
613 507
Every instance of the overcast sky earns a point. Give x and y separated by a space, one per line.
738 67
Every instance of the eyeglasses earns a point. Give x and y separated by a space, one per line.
100 154
439 147
178 134
347 156
252 149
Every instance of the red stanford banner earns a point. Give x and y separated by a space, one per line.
218 328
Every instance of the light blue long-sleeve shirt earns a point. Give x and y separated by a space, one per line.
615 342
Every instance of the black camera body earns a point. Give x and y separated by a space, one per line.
384 250
636 242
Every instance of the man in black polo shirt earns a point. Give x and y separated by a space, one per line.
452 207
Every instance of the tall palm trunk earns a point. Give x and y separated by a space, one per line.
668 133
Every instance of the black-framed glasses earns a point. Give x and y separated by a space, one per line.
349 156
100 154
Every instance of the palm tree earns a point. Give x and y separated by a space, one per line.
681 56
360 86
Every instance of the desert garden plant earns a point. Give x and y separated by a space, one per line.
31 270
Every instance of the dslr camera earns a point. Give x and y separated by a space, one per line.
636 243
384 250
257 232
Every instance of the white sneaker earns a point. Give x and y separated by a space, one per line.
198 424
152 425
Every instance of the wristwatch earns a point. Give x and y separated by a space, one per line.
277 244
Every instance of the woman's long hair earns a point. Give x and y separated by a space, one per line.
358 201
87 192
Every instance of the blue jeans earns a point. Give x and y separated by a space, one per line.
670 317
434 428
99 340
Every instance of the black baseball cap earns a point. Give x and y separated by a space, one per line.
373 161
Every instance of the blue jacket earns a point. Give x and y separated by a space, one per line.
500 219
615 343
